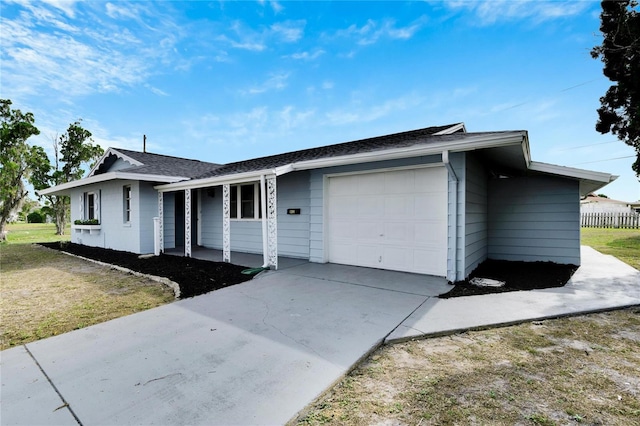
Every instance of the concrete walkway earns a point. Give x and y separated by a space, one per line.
259 352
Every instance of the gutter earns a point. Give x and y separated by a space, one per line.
452 275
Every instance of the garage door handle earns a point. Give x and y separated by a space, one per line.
382 235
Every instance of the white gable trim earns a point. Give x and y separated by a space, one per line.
113 151
452 129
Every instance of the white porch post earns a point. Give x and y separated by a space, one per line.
226 223
187 223
272 221
161 221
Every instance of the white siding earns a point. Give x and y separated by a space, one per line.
144 213
114 233
476 215
534 219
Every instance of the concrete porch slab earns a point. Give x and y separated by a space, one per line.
250 260
425 285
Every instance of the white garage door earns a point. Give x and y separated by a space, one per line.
390 220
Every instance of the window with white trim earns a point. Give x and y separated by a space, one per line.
245 201
90 206
126 203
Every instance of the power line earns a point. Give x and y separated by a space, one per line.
607 159
559 91
585 146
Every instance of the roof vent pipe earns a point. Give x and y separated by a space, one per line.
144 143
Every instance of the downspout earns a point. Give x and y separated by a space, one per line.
453 274
263 210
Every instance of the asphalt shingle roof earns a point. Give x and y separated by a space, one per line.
157 164
397 140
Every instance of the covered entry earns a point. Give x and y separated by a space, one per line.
394 219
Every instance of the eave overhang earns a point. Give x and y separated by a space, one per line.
65 188
466 143
590 181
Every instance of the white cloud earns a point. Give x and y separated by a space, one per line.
492 11
327 85
307 56
356 113
274 82
373 31
44 50
117 12
289 31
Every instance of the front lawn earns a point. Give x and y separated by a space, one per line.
621 243
44 293
21 233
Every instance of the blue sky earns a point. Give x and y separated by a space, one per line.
226 81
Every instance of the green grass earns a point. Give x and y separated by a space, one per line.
25 233
621 243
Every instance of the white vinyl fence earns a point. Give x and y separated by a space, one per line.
629 220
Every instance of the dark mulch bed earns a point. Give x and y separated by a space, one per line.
194 276
517 275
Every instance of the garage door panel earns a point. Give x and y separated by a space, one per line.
370 184
369 206
369 230
345 230
391 220
399 206
400 182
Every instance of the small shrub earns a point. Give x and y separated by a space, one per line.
35 217
86 222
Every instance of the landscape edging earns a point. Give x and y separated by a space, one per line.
162 280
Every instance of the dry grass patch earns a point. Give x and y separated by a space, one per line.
45 293
567 371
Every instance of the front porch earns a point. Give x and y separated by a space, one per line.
249 260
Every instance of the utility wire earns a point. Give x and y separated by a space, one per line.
606 159
559 91
585 146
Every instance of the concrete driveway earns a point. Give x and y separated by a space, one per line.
259 352
254 353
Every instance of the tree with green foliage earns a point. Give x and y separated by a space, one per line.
73 151
28 205
15 159
619 112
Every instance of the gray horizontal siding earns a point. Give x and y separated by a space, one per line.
476 214
246 235
534 218
169 220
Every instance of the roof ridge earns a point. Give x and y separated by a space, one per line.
123 150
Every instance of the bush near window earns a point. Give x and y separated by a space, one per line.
35 217
86 222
